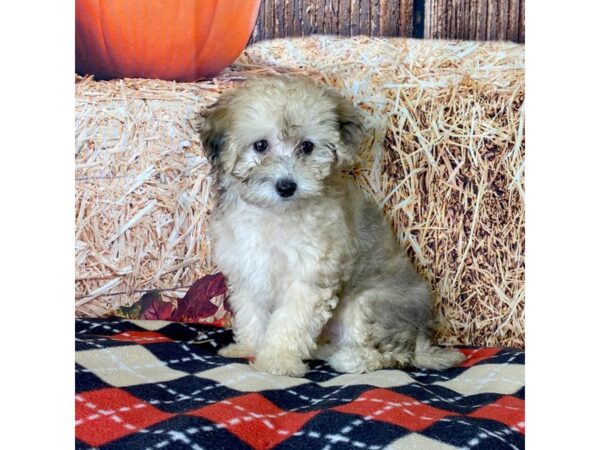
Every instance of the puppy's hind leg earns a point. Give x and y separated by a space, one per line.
429 356
352 354
356 360
401 328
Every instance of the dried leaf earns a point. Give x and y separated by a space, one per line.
205 301
149 307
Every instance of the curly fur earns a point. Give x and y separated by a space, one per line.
318 274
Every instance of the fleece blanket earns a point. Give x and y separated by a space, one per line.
149 384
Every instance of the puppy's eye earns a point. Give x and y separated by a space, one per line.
306 147
261 146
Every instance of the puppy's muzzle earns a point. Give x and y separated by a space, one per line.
286 187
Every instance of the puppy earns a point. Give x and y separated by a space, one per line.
313 268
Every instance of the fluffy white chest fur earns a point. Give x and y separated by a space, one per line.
264 252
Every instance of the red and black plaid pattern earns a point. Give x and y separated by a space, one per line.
161 385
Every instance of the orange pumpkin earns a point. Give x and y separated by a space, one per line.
181 40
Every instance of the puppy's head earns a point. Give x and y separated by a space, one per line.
276 140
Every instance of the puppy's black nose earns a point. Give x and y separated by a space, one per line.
285 187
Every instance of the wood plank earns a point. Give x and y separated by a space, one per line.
317 17
472 33
389 16
288 21
268 14
323 17
522 21
457 27
405 18
257 31
354 17
364 21
481 32
428 19
463 15
279 19
492 20
450 18
441 19
344 18
304 14
512 33
374 12
296 17
462 19
445 17
442 16
314 13
503 20
335 16
259 28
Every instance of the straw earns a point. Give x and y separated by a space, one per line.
444 159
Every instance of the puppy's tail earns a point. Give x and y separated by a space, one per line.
428 356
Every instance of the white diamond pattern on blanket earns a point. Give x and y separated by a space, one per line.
126 366
488 378
242 377
135 394
380 378
415 441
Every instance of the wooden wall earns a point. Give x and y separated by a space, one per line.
443 19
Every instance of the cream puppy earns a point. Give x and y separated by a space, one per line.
313 268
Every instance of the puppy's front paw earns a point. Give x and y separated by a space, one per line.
287 365
236 351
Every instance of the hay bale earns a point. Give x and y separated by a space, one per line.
444 159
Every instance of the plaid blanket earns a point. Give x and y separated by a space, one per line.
161 385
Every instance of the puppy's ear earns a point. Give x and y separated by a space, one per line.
214 134
352 130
